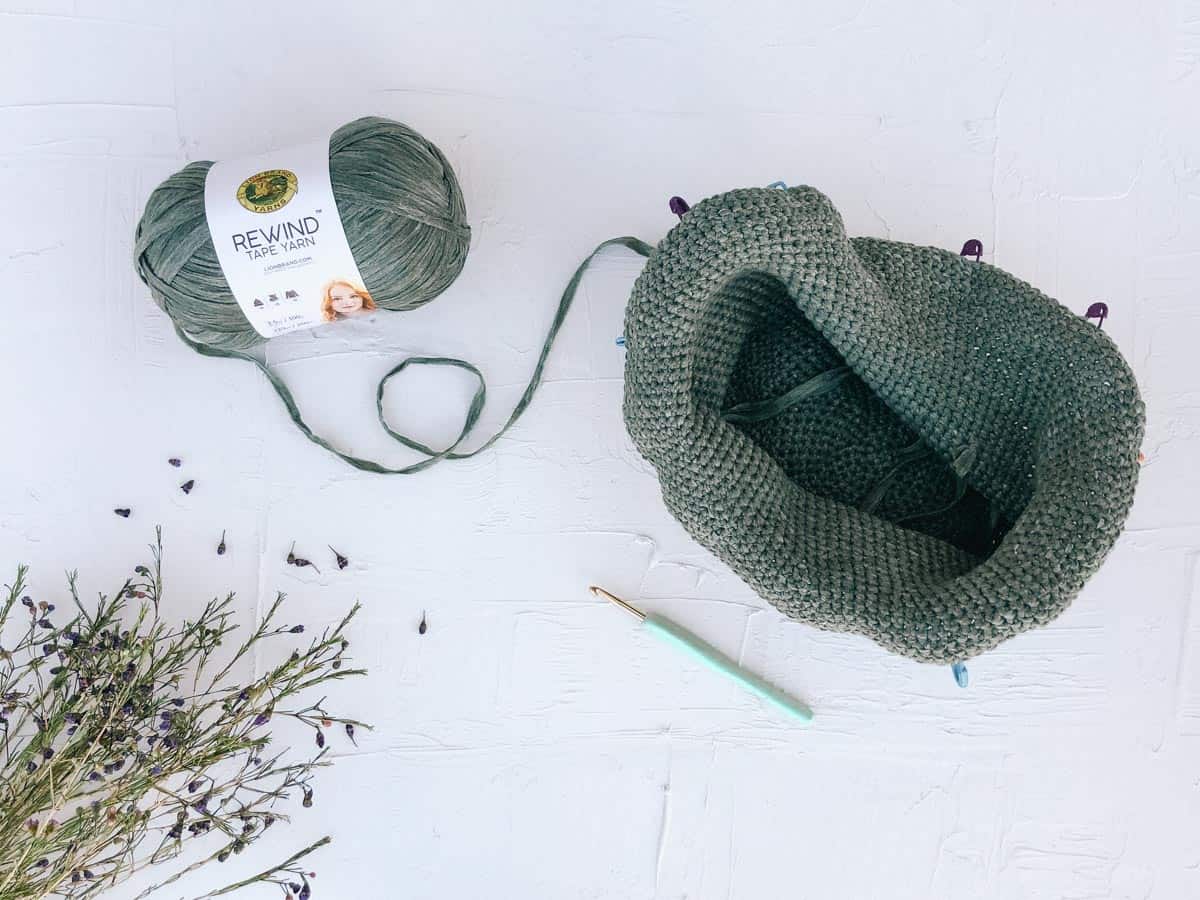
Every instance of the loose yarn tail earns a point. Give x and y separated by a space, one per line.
432 456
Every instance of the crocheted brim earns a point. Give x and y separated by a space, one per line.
879 438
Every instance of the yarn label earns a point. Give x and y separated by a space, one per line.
280 242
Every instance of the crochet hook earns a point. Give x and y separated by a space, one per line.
668 631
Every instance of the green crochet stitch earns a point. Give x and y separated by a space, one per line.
880 438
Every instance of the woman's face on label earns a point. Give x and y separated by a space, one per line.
344 299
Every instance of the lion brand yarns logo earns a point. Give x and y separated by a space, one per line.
268 191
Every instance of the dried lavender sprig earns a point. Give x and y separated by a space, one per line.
112 730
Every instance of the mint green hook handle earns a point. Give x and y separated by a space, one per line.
715 659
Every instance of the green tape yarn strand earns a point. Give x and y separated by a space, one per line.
405 221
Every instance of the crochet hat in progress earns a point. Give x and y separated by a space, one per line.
880 438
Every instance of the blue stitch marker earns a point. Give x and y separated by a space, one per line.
960 673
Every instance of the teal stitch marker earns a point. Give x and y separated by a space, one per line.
712 657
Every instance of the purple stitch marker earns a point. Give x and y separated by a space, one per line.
973 247
679 206
1098 310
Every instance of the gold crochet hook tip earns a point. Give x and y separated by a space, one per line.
633 610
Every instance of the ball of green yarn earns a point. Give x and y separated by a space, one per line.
399 202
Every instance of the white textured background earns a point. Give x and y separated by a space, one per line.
532 744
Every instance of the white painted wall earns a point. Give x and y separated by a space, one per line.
532 744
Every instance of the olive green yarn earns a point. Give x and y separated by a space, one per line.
405 221
400 205
955 488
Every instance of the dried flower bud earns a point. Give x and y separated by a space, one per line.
122 511
320 738
187 486
262 718
27 601
308 798
350 733
296 629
